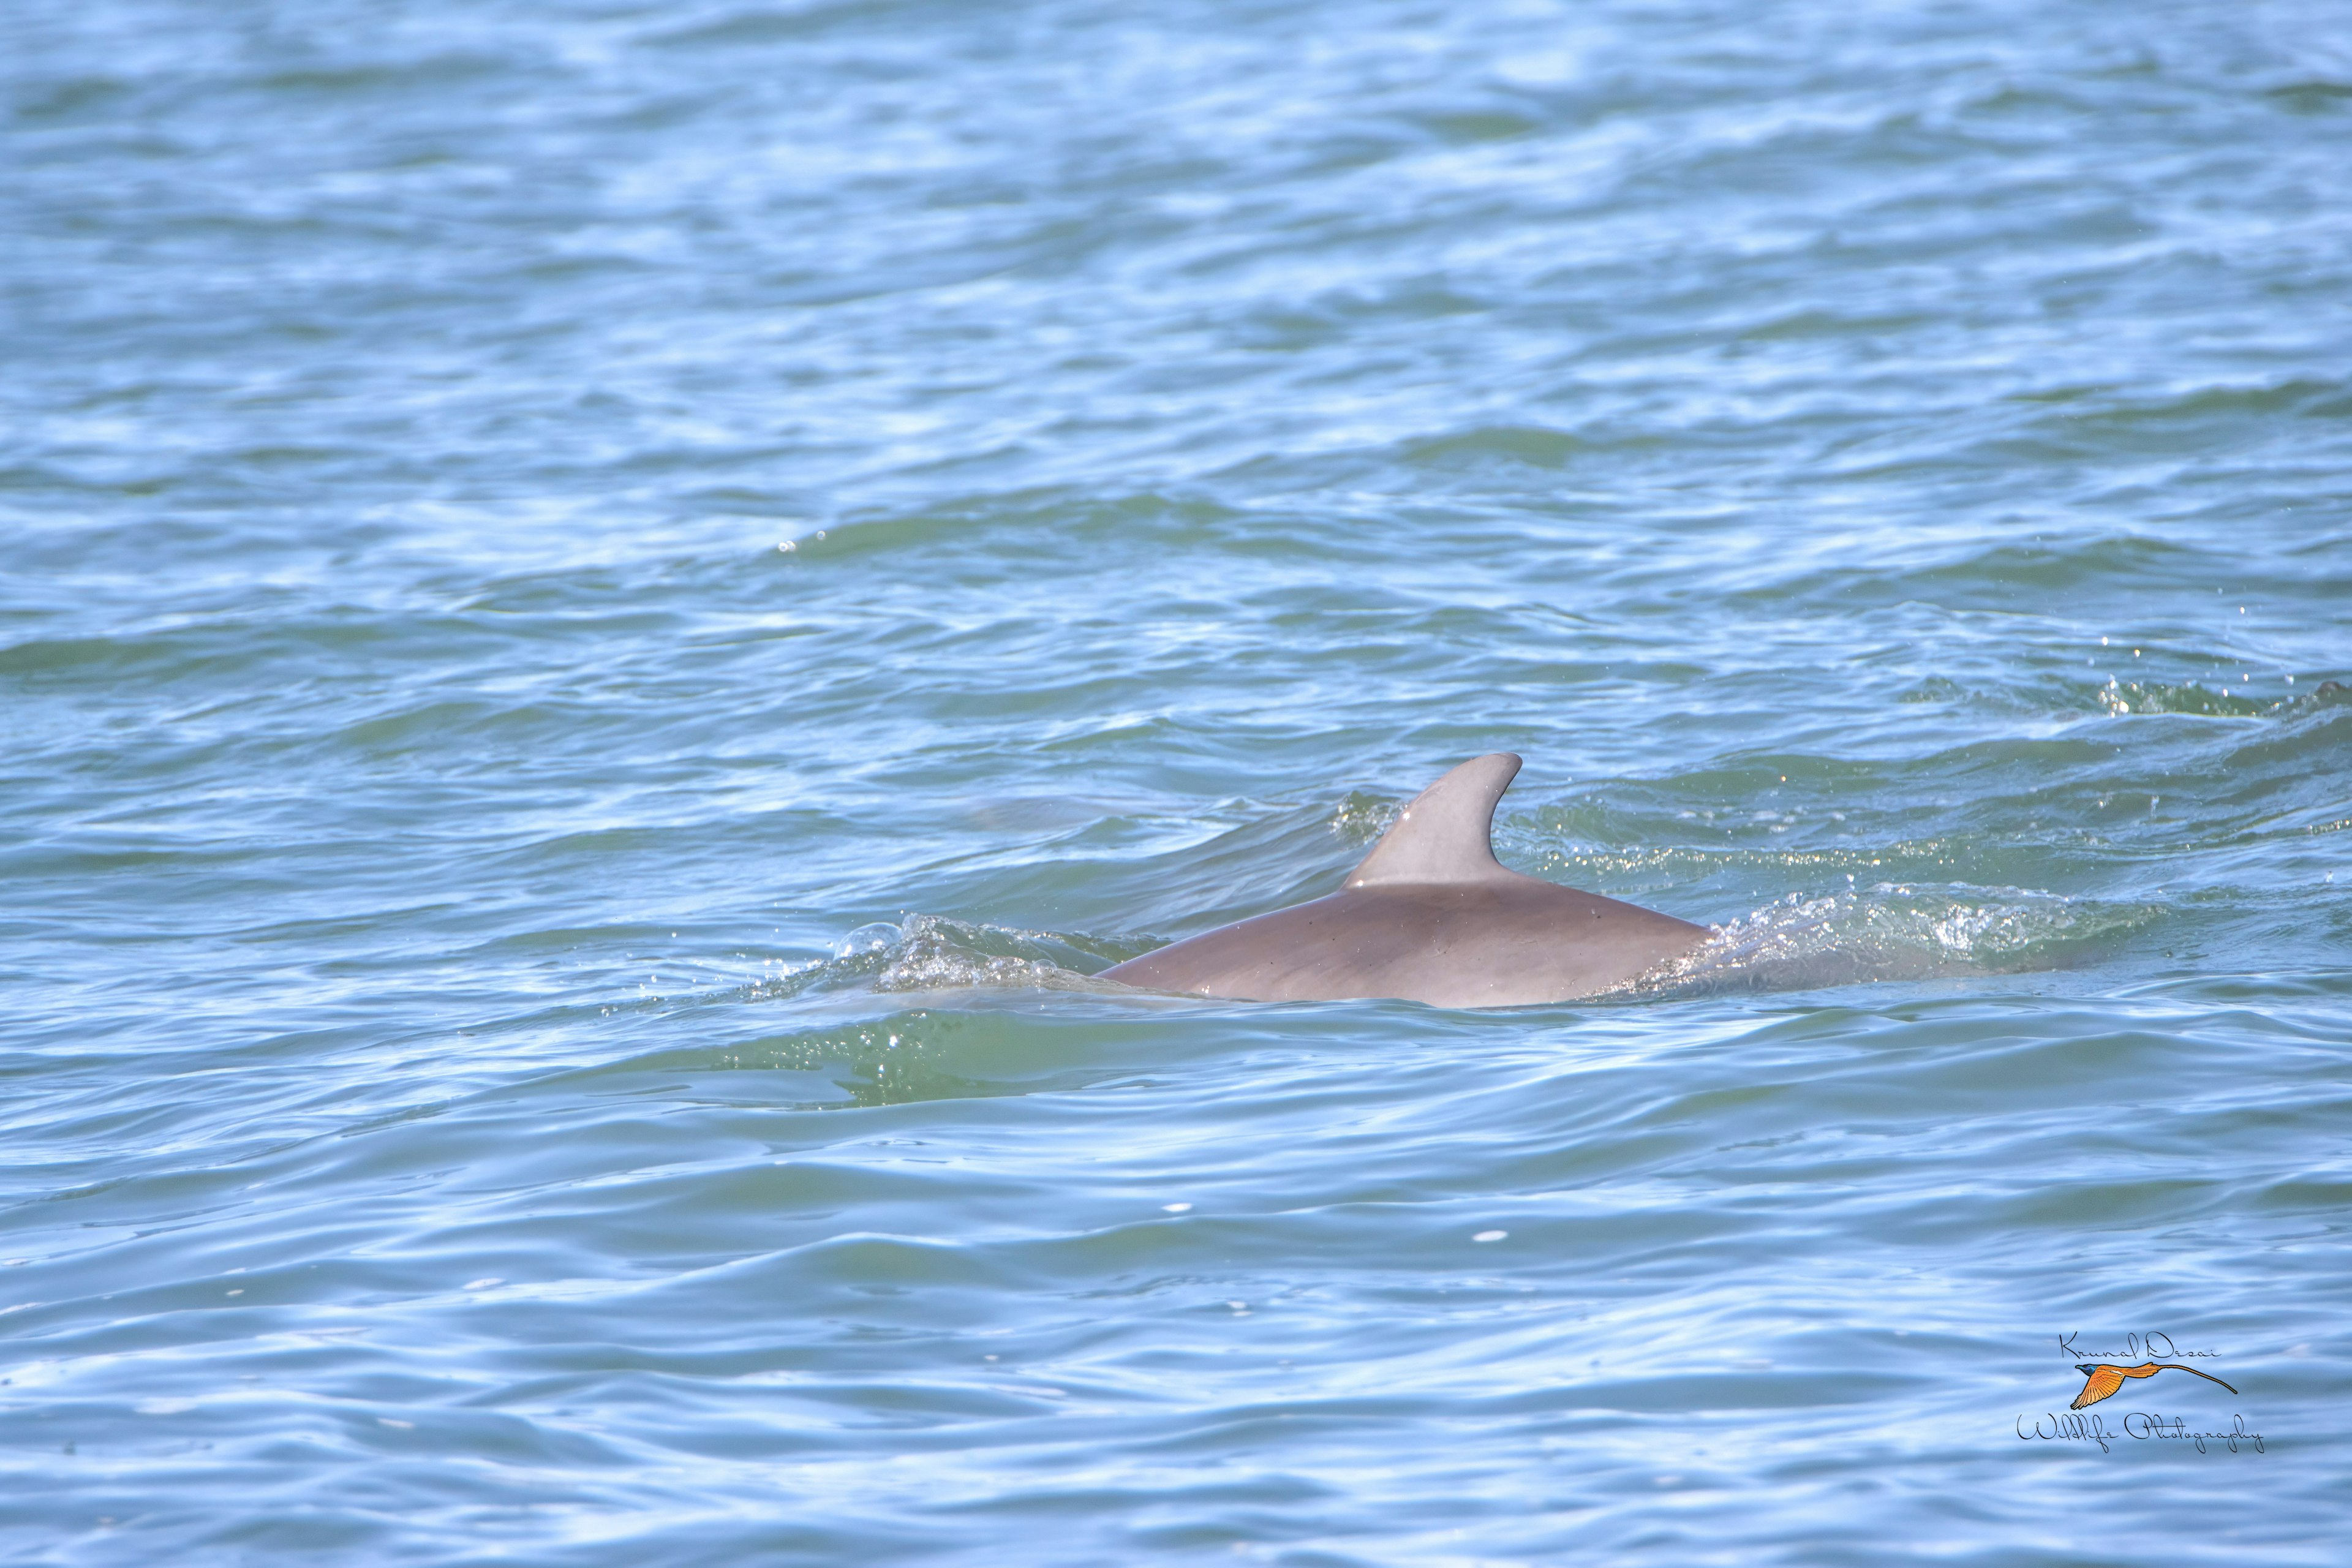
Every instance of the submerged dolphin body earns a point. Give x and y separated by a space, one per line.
1429 916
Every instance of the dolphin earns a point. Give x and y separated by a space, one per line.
1429 916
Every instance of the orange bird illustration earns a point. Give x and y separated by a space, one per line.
2105 1379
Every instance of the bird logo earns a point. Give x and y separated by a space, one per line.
2105 1378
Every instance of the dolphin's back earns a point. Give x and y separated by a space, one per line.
1431 916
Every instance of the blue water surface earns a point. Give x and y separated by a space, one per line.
610 609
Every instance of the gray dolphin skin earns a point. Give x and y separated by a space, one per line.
1429 916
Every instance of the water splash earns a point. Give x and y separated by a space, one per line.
2118 697
938 954
1361 818
925 952
1896 932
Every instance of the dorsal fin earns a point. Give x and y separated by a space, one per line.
1445 835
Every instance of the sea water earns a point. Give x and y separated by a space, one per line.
609 609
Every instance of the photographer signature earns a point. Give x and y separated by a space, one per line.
2139 1425
2105 1373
